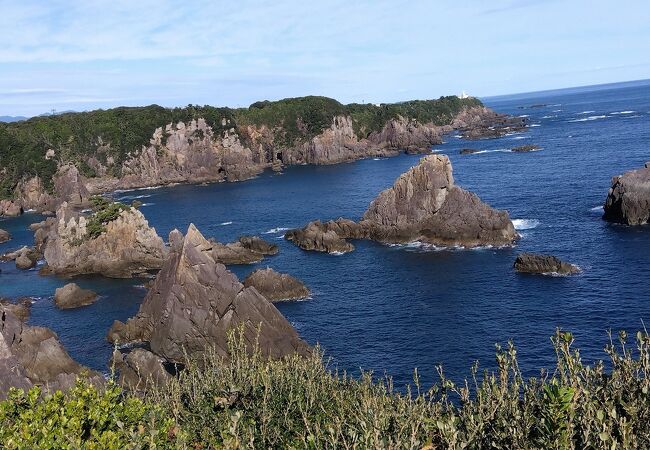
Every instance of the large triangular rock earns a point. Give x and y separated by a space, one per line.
195 301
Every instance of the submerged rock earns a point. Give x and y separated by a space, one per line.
468 151
195 301
4 236
72 296
525 148
34 356
543 264
247 250
276 286
423 205
126 247
628 200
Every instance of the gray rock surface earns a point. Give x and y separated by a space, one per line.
21 308
72 296
543 264
628 200
423 205
34 356
247 250
276 286
195 301
4 236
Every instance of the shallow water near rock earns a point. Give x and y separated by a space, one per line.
393 308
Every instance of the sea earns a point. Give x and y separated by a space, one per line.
391 309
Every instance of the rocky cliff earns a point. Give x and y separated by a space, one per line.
423 205
126 246
193 304
628 200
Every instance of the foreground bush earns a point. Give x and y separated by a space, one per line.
248 402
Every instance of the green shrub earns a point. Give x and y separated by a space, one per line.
83 418
104 211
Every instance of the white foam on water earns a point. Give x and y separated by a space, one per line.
519 137
622 112
497 150
135 197
598 208
276 230
586 112
525 224
588 119
524 115
434 150
549 117
225 223
535 125
337 253
146 204
556 110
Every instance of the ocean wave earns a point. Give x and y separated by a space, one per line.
146 204
622 112
557 110
524 115
587 119
549 117
519 137
135 197
535 125
276 230
586 112
225 223
337 253
598 208
496 150
525 224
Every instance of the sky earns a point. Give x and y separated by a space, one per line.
82 55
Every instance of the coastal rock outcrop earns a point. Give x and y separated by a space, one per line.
543 264
72 296
628 200
276 286
10 208
195 301
423 205
525 148
4 236
127 246
21 308
480 122
247 250
32 355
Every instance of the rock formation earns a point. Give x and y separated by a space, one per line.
126 247
543 264
628 200
193 304
468 151
4 236
525 148
247 250
34 356
423 205
483 123
25 257
72 296
276 286
21 308
10 208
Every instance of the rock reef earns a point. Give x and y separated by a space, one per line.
423 205
128 245
276 286
483 123
193 304
543 264
628 200
4 236
247 250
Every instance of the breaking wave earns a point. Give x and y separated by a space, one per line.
225 223
588 119
622 112
525 224
276 230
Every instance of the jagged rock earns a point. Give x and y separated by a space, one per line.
324 237
128 246
195 301
543 264
20 309
34 356
26 259
276 286
468 151
247 250
423 205
72 296
628 200
70 188
4 236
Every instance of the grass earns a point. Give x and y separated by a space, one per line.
250 402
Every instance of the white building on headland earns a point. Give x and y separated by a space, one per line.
463 95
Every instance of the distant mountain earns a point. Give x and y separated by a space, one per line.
12 118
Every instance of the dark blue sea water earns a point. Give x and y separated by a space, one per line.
392 309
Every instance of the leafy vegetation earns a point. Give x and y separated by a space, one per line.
249 402
110 135
104 211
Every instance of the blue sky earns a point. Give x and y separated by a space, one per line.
83 55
